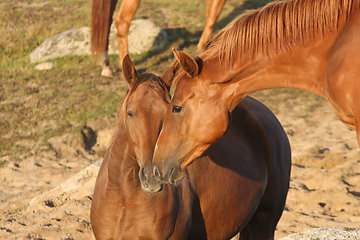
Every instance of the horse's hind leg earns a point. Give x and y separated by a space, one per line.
236 237
123 20
213 10
263 223
105 63
101 19
260 227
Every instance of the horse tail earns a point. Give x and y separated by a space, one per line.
101 19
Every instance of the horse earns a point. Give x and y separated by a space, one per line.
301 44
239 184
101 19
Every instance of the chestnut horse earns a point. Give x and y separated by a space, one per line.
101 19
302 44
240 183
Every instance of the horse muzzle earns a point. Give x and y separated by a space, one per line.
150 179
171 174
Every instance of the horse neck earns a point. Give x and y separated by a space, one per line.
123 185
122 166
123 176
303 67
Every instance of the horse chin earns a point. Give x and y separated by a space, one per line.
154 188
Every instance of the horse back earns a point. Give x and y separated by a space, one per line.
253 120
258 123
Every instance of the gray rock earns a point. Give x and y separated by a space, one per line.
143 36
72 42
326 233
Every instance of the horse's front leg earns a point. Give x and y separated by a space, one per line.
123 21
213 10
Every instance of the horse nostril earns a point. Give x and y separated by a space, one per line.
171 171
156 173
143 173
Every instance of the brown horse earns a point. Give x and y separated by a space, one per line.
301 44
239 184
101 19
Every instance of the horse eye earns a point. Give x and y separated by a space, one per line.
130 114
176 109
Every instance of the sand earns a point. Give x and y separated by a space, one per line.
324 189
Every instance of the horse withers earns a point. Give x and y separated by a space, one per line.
239 184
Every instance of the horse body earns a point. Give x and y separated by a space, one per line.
239 184
122 210
302 44
101 19
249 168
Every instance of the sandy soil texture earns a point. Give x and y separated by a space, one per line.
324 189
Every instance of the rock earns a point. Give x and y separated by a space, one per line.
326 233
143 36
71 42
66 200
44 66
84 179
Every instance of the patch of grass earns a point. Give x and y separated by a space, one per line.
3 163
73 92
19 210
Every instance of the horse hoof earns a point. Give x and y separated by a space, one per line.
107 72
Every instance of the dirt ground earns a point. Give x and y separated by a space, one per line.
324 189
46 189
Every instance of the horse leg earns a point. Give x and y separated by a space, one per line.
213 10
258 228
236 237
123 20
101 19
263 223
105 63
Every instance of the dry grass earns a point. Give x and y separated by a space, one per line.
40 105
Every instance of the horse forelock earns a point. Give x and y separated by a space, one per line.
280 26
121 113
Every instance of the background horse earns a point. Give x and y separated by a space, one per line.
239 184
101 19
303 44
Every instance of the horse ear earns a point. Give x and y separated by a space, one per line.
187 63
169 75
129 70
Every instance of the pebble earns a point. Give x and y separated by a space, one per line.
326 233
44 66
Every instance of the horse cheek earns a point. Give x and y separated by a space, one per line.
213 126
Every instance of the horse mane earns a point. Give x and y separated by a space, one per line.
279 26
121 113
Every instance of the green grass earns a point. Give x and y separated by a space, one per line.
19 210
39 105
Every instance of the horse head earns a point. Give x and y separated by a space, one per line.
182 139
143 112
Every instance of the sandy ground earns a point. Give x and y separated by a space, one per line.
324 189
